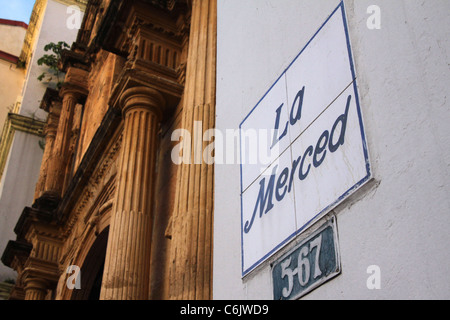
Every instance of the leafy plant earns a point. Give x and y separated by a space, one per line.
51 61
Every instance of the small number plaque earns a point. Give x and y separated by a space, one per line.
308 265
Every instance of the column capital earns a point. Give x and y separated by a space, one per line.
131 222
35 288
39 276
36 284
75 83
73 90
143 97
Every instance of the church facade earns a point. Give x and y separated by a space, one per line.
110 204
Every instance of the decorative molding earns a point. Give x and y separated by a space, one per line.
15 249
27 124
14 23
37 16
5 290
95 201
20 123
170 89
79 184
9 57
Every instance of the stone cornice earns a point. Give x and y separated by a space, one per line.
13 249
20 123
28 217
26 124
73 58
75 82
50 96
113 21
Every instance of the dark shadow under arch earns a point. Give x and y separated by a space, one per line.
92 270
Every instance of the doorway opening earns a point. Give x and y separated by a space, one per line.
92 270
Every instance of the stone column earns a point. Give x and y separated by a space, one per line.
127 265
50 135
35 289
57 161
192 219
40 271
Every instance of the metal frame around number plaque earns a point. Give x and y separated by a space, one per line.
331 222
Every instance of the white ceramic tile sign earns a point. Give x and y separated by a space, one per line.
303 146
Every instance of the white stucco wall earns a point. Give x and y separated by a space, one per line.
10 87
400 220
12 77
11 39
15 193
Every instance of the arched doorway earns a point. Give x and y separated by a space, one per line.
92 270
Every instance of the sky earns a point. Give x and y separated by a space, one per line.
19 10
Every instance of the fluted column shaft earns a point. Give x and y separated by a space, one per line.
35 289
50 135
55 176
192 219
127 266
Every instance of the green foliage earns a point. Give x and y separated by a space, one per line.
42 144
51 61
